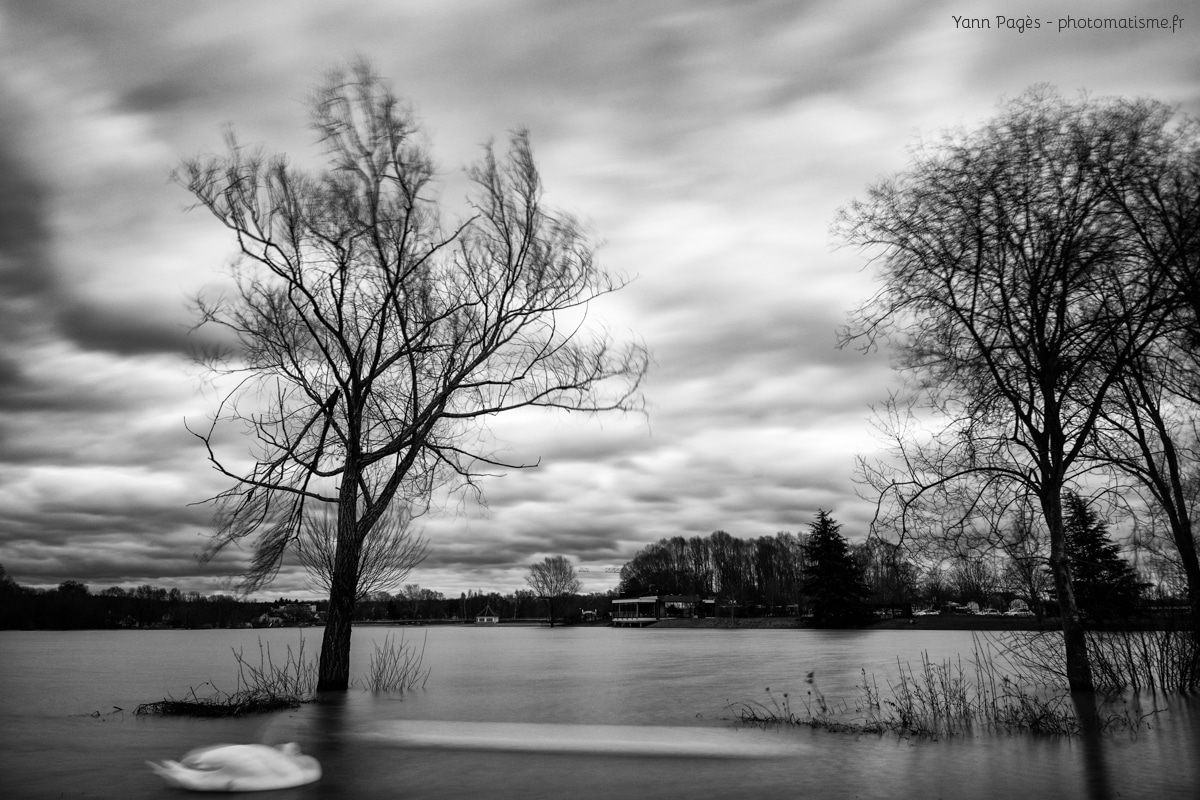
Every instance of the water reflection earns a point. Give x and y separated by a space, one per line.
327 732
1087 707
607 740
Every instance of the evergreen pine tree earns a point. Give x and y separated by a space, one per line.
832 578
1105 584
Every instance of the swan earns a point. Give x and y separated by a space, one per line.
240 768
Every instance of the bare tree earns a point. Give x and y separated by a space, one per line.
419 600
1025 543
1148 435
1149 424
891 578
934 583
553 579
388 555
372 342
975 577
1013 294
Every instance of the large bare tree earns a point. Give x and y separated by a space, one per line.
1149 431
373 341
553 579
1015 297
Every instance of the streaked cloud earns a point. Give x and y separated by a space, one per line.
707 144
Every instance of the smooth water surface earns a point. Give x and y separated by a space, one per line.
527 712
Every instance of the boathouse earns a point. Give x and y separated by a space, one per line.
639 611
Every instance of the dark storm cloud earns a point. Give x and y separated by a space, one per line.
23 272
125 331
26 278
81 434
587 541
122 560
63 520
92 525
19 394
34 298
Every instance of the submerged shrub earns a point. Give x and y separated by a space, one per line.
949 698
395 666
266 686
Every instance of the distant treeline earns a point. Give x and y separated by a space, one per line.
785 574
416 603
770 575
73 605
766 572
775 575
66 608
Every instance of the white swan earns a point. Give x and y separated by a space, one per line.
240 768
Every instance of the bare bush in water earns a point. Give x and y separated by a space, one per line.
396 666
949 698
266 686
1152 660
296 677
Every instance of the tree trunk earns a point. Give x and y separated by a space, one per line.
1079 669
333 673
334 670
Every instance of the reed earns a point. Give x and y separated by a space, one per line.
1153 660
396 666
294 679
952 698
1149 660
947 698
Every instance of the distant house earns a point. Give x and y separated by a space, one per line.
487 617
639 611
296 613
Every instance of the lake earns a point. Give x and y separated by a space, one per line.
529 712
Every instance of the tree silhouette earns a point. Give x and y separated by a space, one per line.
1105 584
371 342
832 577
1016 294
553 579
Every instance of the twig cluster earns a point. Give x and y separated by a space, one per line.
396 666
1149 660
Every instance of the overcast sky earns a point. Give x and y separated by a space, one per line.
708 145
